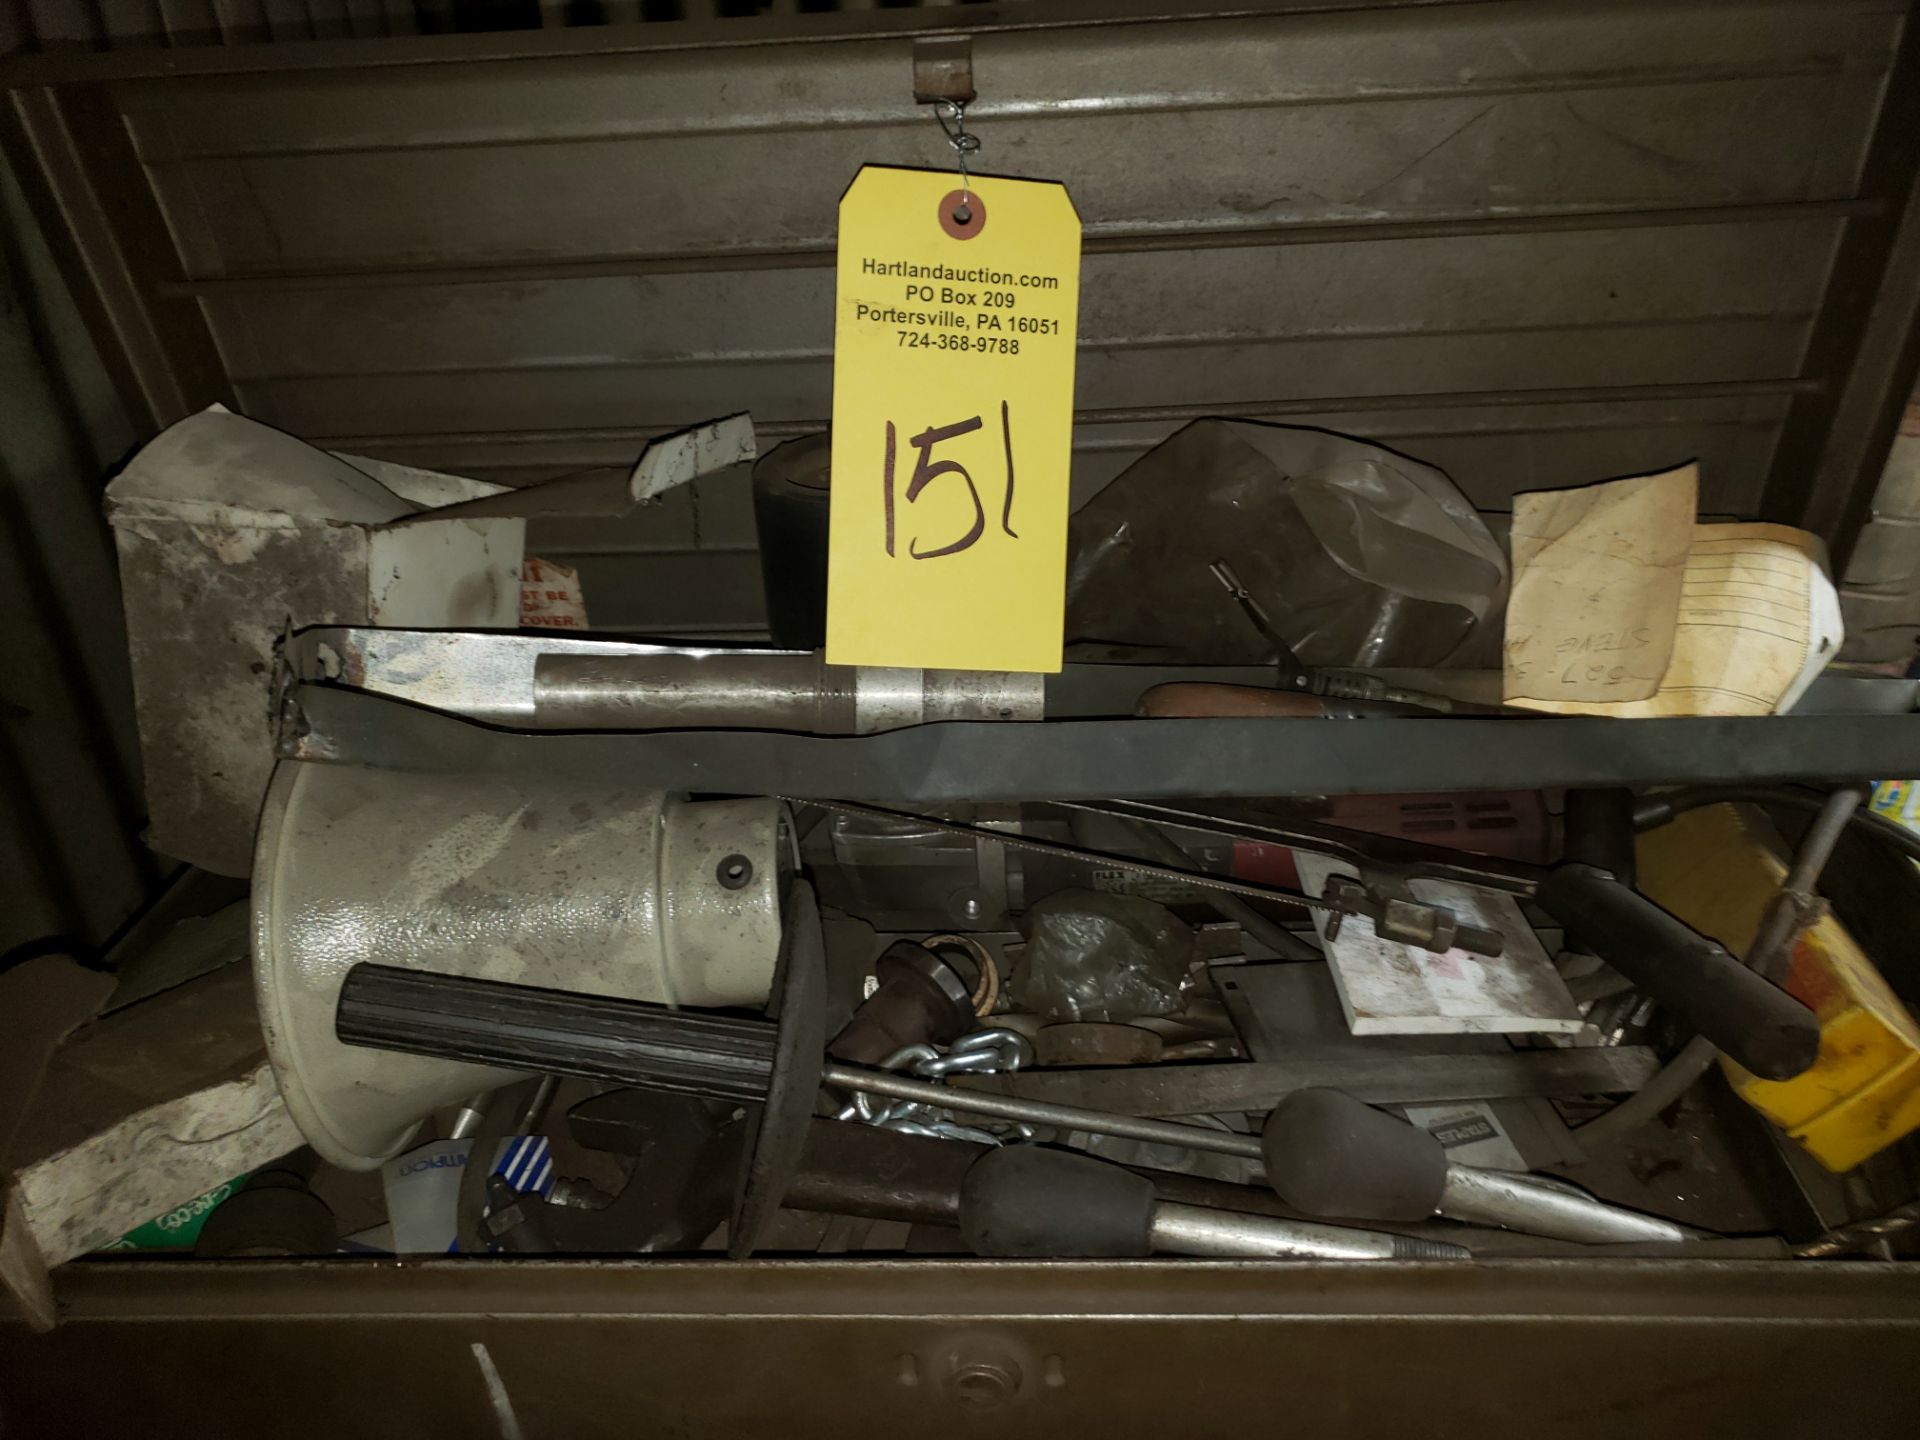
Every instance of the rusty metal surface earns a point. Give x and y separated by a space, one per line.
1676 1349
943 69
1533 243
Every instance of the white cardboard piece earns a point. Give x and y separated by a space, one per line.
1387 988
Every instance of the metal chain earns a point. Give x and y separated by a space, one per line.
979 1052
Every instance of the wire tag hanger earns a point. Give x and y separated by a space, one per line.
952 115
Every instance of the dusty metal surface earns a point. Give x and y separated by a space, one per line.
488 675
147 1109
228 532
606 890
196 701
1533 243
157 1157
1669 1349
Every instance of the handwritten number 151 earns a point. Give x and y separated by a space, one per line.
926 470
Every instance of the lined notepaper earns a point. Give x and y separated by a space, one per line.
1758 619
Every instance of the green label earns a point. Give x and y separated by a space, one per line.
180 1226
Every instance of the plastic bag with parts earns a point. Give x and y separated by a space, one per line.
1095 956
1361 556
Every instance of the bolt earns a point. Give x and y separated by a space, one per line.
983 1384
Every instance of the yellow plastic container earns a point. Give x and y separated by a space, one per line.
1715 869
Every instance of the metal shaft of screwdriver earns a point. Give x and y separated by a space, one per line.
1039 1112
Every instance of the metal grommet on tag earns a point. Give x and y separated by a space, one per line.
963 214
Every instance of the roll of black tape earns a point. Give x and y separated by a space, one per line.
790 491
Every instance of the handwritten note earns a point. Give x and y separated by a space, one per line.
1752 620
1597 578
1758 620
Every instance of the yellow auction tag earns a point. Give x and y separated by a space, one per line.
952 422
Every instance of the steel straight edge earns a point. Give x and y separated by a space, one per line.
1090 759
1725 1291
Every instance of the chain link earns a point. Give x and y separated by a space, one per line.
979 1052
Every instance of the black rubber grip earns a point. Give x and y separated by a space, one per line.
1326 1153
1752 1020
555 1032
1598 827
1029 1202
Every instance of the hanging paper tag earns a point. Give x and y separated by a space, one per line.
952 422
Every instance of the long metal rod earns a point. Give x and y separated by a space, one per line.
1038 1112
1388 852
1178 1229
1794 907
528 1120
1377 1079
491 1022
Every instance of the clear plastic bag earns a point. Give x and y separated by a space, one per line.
1360 556
1095 956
